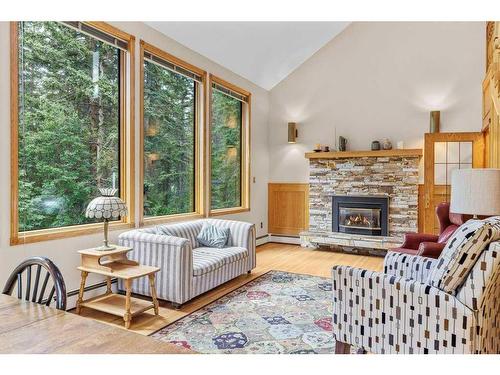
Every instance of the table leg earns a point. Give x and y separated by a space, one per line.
127 317
80 292
108 285
152 286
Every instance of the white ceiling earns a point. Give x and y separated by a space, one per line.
262 52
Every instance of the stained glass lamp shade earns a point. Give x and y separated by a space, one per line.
106 207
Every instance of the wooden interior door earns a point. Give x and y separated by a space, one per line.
443 153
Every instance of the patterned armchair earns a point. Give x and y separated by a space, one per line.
187 268
398 311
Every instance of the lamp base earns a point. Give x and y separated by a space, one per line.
105 248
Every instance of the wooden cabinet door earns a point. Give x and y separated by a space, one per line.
288 208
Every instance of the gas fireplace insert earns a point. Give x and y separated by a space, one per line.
366 215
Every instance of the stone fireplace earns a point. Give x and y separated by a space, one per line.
393 179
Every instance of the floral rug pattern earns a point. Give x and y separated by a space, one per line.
279 312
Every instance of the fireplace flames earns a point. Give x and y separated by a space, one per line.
358 221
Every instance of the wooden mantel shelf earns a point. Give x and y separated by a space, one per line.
416 152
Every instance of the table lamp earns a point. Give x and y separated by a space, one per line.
106 207
475 192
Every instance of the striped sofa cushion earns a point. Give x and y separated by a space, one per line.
208 259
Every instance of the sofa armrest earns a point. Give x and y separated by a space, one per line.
413 267
389 314
413 240
431 249
138 236
174 257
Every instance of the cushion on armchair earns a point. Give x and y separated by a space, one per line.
212 236
462 251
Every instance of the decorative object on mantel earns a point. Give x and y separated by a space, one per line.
317 147
293 133
325 149
375 145
475 191
400 145
342 144
106 207
435 121
386 144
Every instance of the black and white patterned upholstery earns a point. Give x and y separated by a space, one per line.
462 251
398 311
188 270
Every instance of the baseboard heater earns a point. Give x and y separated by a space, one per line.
75 292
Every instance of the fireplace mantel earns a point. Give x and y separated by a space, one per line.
415 152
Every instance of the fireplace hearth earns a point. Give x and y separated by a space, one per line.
365 215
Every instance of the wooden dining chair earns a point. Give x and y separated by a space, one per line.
34 294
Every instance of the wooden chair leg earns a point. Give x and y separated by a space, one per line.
342 348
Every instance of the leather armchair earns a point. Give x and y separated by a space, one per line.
431 245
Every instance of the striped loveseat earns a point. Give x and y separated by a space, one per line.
188 269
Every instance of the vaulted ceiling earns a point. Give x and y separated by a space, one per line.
262 52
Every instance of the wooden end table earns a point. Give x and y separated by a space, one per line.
114 263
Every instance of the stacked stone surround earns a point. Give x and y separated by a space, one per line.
395 177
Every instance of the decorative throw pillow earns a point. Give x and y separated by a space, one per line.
212 236
462 251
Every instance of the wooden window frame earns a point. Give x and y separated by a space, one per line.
245 149
127 141
200 115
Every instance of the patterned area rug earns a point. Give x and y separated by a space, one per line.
279 312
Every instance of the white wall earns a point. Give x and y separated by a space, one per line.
378 80
63 252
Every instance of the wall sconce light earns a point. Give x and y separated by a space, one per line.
292 132
434 123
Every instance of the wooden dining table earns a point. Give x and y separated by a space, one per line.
27 327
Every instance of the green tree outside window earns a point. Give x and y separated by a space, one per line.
225 158
169 142
69 123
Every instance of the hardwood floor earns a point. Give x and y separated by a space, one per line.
270 256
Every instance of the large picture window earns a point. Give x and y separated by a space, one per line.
229 147
70 128
170 125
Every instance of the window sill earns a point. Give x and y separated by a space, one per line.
155 220
22 238
228 211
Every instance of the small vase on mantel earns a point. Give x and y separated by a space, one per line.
386 144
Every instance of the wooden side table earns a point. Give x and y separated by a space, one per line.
114 263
